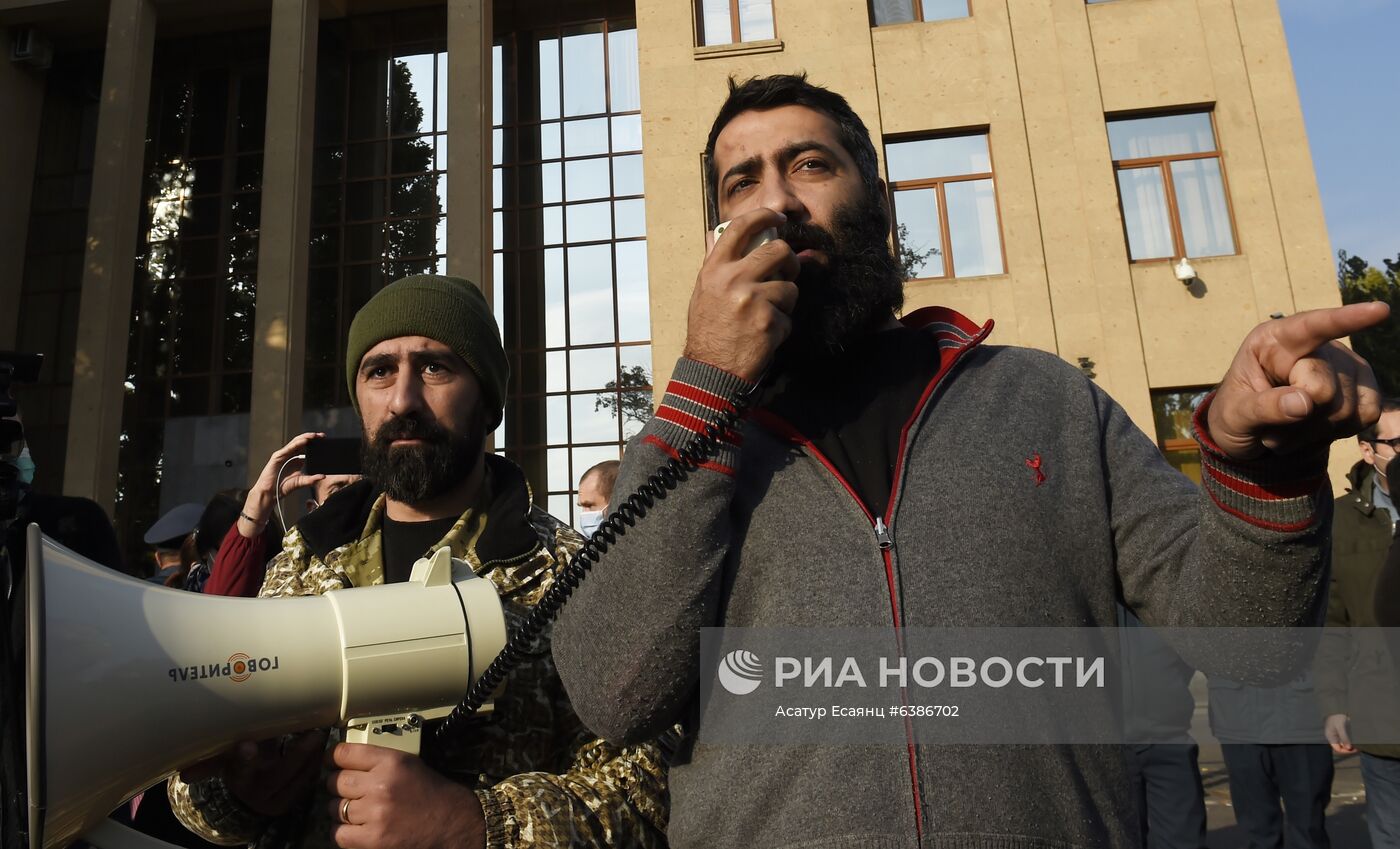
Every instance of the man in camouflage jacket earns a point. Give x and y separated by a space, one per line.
528 774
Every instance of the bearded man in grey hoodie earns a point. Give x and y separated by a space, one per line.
904 473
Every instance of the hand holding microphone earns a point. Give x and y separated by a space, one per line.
741 307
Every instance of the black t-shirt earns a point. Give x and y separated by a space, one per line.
403 543
853 406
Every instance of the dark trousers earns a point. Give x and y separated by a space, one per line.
1166 782
1299 775
1382 777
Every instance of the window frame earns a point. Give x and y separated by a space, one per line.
1163 165
400 33
735 33
1178 445
218 377
511 164
938 183
918 14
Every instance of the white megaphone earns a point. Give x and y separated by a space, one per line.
128 682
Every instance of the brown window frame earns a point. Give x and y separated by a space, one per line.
736 36
400 32
510 162
1163 164
938 183
918 14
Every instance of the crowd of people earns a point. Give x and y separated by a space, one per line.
883 473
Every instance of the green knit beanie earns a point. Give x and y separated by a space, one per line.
449 310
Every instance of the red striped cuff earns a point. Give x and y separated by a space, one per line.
697 395
1274 492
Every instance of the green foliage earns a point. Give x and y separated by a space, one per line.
630 396
1359 282
909 259
414 202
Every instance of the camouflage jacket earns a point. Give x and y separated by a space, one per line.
542 778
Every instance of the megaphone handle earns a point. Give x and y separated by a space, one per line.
110 834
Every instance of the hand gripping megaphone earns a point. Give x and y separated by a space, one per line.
128 682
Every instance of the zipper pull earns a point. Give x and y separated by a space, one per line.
882 535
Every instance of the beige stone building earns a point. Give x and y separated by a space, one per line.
196 196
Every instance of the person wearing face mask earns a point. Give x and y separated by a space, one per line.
1356 680
595 490
79 524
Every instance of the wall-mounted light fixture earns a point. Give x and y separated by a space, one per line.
1185 271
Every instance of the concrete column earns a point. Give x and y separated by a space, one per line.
470 36
104 319
469 40
279 353
22 102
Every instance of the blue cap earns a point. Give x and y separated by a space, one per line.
175 525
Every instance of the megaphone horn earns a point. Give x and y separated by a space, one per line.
128 681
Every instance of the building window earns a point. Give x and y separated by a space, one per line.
903 11
1171 184
733 21
379 183
1172 410
945 206
190 356
570 253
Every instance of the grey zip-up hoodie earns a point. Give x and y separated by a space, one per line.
1024 497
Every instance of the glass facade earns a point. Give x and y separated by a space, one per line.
190 359
379 178
570 250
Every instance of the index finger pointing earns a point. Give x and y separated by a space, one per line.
1305 332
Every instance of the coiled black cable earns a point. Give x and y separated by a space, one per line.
701 448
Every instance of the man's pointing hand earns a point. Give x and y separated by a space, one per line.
1292 386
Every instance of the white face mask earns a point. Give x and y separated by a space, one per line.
25 464
589 521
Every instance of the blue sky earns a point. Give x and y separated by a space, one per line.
1344 59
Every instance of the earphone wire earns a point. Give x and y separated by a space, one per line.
277 489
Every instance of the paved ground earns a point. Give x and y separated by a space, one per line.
1346 823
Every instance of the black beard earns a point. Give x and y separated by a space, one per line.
413 474
855 292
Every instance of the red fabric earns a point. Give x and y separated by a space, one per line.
685 420
675 454
709 400
239 566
